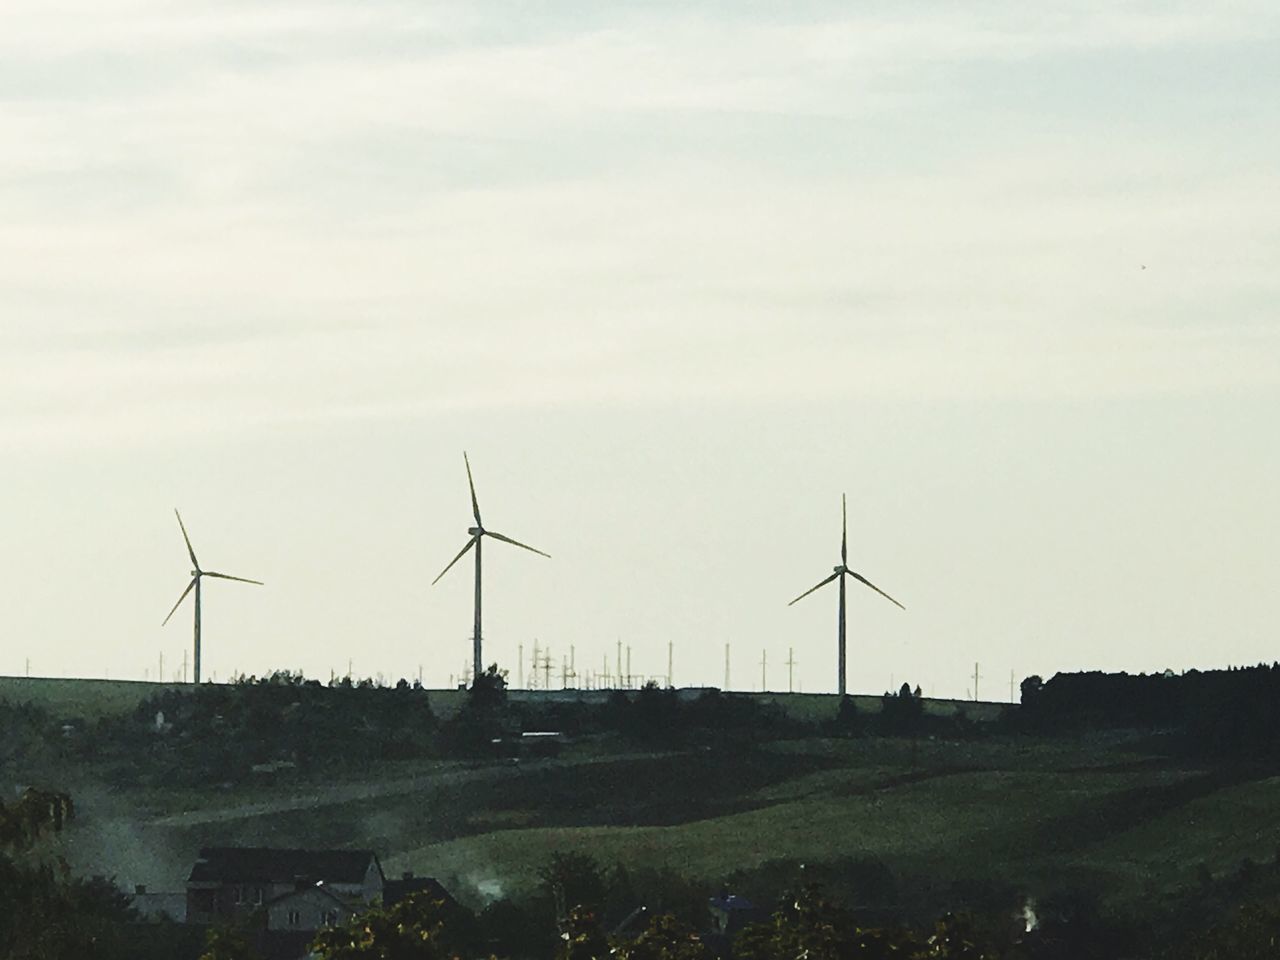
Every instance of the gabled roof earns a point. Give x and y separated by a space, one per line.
274 865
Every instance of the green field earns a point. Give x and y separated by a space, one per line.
79 699
1107 815
1114 823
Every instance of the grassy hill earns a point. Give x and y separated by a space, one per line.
945 819
1126 830
79 698
954 816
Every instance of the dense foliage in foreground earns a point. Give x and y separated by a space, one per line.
804 925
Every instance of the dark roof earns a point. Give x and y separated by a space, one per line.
393 891
272 865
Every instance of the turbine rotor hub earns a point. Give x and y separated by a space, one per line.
475 531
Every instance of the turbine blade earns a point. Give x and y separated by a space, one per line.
227 576
470 543
194 562
475 504
861 578
180 599
844 533
504 539
813 588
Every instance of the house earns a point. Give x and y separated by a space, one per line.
232 882
309 909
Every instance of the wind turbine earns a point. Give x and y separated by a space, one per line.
840 573
477 532
196 574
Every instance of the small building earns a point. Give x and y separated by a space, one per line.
396 890
731 913
227 883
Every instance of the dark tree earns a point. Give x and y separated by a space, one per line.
574 880
416 928
665 938
1030 689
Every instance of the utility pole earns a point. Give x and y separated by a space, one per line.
791 666
975 682
670 658
764 670
573 666
621 682
604 672
726 666
533 672
546 669
520 665
630 679
184 666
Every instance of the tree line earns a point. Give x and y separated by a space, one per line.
1233 712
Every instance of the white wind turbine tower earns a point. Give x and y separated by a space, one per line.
839 574
196 574
477 532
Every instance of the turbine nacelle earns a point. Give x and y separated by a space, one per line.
476 531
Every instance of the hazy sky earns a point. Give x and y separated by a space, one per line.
676 276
